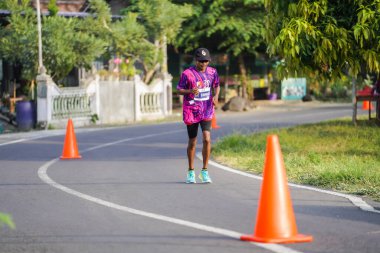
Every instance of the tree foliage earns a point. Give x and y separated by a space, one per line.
18 40
234 26
332 37
162 20
64 44
238 25
53 8
125 37
140 35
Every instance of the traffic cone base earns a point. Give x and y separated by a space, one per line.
293 239
70 148
275 219
70 157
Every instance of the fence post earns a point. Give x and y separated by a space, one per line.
167 94
43 100
137 94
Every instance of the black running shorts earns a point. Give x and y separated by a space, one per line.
192 130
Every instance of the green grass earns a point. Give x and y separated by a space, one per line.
332 155
6 220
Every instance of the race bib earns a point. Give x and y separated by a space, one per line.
203 95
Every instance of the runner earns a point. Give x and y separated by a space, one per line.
197 84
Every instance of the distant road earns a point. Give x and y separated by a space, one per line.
127 193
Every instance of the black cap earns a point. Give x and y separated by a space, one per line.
202 54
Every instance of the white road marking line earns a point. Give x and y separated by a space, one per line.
35 137
290 120
42 173
359 202
12 142
374 232
129 139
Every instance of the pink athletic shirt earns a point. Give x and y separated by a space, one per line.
200 107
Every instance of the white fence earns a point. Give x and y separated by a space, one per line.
74 103
111 101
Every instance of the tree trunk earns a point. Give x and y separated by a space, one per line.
354 104
164 46
243 73
150 73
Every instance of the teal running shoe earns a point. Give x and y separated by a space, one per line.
190 177
205 177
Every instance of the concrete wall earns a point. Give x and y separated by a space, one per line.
116 102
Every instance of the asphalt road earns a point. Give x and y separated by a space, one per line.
127 193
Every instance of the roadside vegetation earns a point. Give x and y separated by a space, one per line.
6 220
333 155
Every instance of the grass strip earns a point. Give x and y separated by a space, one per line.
334 155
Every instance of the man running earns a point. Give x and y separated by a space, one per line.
196 85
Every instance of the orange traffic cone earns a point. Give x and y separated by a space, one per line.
275 220
70 148
214 125
366 105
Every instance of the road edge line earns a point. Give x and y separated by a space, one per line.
357 201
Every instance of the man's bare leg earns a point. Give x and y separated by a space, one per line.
206 150
191 151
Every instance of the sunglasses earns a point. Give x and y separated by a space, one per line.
205 61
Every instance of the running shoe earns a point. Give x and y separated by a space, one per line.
205 177
190 177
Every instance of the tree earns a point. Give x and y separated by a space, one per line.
331 37
162 20
125 37
141 34
18 40
65 45
234 26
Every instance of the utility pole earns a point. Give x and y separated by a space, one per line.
43 104
41 68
